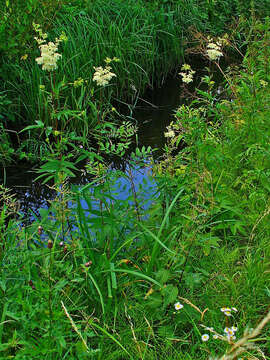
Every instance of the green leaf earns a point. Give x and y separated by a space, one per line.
170 294
163 276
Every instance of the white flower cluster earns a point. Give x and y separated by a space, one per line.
213 50
228 311
49 55
169 134
102 76
187 73
230 332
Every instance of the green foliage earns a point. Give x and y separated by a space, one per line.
16 27
95 276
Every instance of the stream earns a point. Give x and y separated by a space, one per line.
153 113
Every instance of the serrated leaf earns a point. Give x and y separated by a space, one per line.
162 276
170 294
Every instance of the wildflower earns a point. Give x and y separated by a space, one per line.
61 243
108 60
42 87
213 50
263 83
102 76
88 263
49 56
223 309
186 78
170 133
178 306
40 229
79 82
234 309
187 74
42 36
63 37
215 336
186 67
227 330
230 332
205 337
24 57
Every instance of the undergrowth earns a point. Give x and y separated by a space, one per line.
96 277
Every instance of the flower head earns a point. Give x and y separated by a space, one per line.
205 337
213 50
49 56
230 332
79 82
187 73
178 306
102 76
228 311
186 67
170 133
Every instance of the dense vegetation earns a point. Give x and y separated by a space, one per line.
148 38
96 277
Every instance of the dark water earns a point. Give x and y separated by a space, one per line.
153 113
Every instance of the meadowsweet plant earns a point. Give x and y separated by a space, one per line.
49 55
187 73
214 50
102 76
